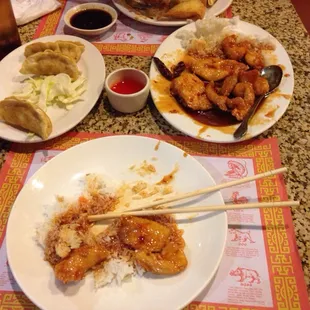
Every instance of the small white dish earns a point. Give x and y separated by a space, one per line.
89 6
127 103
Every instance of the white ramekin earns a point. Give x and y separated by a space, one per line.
85 6
127 103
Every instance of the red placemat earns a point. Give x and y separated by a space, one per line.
260 269
127 37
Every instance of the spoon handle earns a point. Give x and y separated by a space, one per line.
243 128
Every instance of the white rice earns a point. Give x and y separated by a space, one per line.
87 185
96 183
213 30
115 272
41 233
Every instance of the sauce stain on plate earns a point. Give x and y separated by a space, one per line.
168 178
277 94
202 130
267 109
272 112
157 146
282 67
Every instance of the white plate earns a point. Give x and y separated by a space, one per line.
205 236
169 52
92 67
219 7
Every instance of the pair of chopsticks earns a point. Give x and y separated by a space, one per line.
136 211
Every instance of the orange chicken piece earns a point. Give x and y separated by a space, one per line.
143 234
79 261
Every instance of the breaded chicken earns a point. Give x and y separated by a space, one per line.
244 99
171 260
215 98
79 261
190 91
238 107
255 59
228 85
216 69
143 234
232 49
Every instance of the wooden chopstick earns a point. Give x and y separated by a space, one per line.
100 217
164 200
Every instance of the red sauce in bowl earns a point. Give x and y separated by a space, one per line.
127 86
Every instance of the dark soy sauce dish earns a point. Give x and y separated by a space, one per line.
90 19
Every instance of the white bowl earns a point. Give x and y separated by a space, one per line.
85 6
127 103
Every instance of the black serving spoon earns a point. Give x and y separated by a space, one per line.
273 74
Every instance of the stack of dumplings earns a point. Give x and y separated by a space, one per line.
51 58
42 58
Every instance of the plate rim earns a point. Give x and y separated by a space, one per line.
89 106
206 139
149 21
44 167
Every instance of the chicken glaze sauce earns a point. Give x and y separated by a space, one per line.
213 117
167 103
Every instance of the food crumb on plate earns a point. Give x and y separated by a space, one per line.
60 198
139 187
144 169
192 216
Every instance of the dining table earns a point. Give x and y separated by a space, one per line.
292 131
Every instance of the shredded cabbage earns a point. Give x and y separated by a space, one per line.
50 90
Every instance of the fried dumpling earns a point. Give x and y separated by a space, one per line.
73 49
70 49
77 43
194 9
50 63
25 115
40 47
